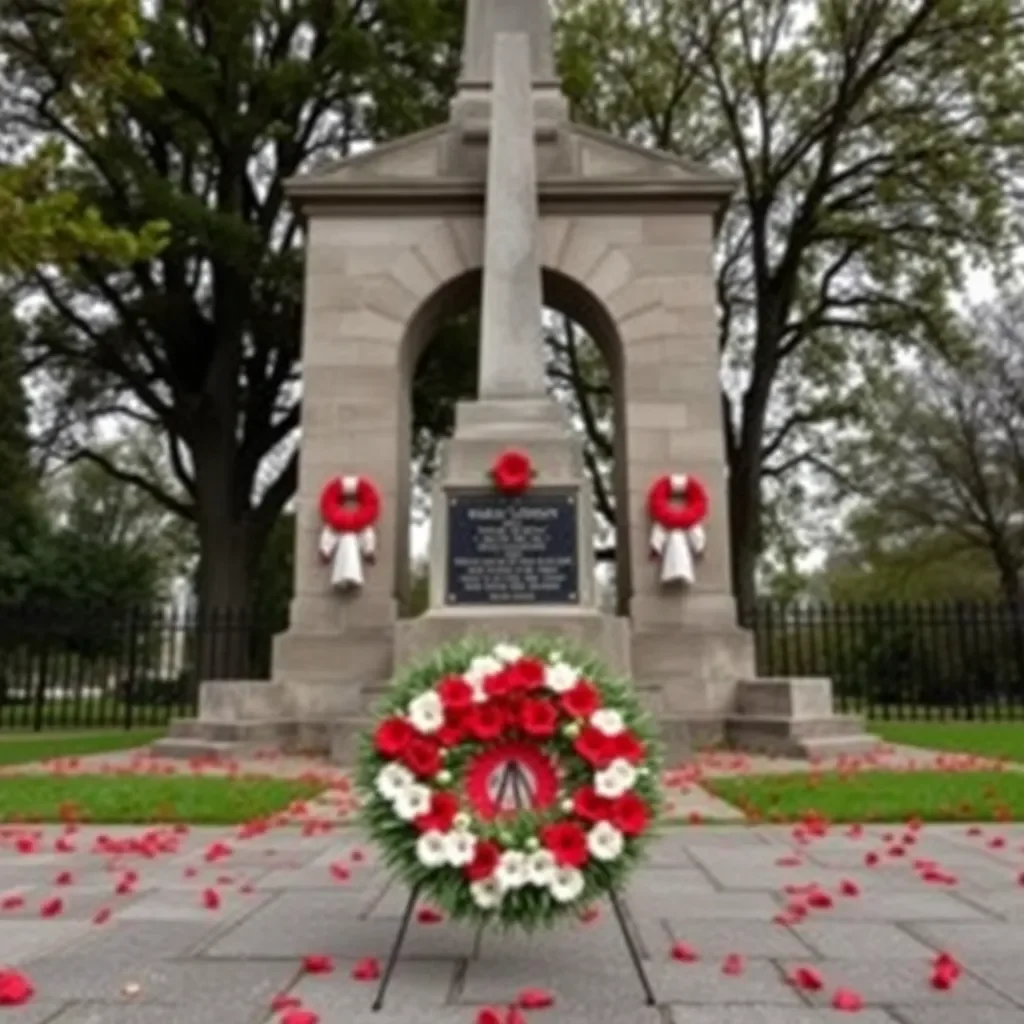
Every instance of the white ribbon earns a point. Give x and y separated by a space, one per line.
347 550
678 549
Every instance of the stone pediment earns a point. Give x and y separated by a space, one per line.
448 160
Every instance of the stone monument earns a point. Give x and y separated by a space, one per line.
510 205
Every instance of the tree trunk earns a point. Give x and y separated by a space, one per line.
744 535
225 623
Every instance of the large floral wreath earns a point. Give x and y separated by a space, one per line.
579 738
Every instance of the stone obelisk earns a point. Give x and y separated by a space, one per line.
503 566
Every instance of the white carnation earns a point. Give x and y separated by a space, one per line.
460 847
412 801
511 870
486 894
432 849
480 668
461 821
392 779
540 868
566 885
618 778
507 652
607 721
560 677
426 712
605 842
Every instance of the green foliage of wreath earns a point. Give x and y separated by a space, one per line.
529 907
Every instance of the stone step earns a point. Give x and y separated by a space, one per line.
271 731
181 748
854 745
796 728
794 698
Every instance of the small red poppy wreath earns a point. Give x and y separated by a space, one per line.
512 784
678 506
512 472
349 508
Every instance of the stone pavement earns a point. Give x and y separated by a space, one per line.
164 957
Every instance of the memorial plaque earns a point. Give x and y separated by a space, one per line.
505 550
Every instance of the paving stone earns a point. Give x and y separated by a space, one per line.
382 898
39 1011
1001 972
572 939
776 1015
296 923
715 938
973 939
907 906
955 1015
21 941
723 836
882 982
869 940
668 851
1005 903
653 885
169 906
732 906
79 903
423 985
703 982
155 1013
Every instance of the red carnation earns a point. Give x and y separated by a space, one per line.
526 674
422 756
499 684
567 842
454 729
539 718
485 861
629 814
441 816
594 747
627 746
581 701
591 807
486 722
512 472
455 693
392 735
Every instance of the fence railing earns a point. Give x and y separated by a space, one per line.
942 660
96 668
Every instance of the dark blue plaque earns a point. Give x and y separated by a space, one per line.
505 550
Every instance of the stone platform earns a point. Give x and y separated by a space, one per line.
163 958
785 717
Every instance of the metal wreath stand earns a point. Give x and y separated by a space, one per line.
513 779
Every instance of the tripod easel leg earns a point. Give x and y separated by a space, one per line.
634 953
395 950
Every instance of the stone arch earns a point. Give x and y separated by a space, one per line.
568 296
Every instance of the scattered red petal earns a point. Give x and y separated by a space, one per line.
300 1017
52 907
489 1015
592 914
367 969
13 902
317 964
211 899
64 878
849 888
102 916
847 1001
15 988
339 872
283 1001
806 978
428 915
733 964
684 953
535 999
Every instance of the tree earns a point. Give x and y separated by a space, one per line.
942 463
875 146
43 220
21 517
201 342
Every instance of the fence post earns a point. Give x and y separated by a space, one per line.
129 696
40 701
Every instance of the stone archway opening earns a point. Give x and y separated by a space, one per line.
584 371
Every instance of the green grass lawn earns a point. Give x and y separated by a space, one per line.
877 796
21 748
111 800
991 739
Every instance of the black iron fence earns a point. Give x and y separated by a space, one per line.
101 668
941 660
